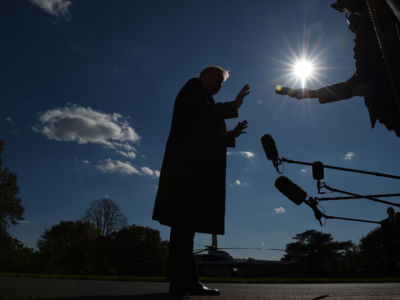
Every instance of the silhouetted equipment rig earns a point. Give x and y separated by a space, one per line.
297 195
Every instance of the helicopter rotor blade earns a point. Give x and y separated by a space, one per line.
236 248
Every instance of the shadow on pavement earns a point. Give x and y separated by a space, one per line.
154 296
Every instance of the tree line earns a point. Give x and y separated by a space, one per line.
99 245
102 242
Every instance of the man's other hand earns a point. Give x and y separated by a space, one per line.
243 93
239 129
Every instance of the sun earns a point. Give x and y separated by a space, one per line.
303 69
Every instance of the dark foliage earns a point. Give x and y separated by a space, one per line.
68 247
11 209
315 253
77 248
138 250
14 256
370 257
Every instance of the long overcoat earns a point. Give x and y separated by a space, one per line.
191 190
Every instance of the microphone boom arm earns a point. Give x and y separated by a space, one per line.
369 197
291 161
312 203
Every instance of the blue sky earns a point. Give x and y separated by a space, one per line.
87 97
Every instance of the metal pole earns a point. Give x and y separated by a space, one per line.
290 161
350 219
366 197
356 197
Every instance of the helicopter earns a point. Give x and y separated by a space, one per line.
218 262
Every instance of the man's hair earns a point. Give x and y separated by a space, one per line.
210 69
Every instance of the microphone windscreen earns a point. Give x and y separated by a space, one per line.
282 90
318 170
269 146
290 190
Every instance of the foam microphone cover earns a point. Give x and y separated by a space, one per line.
269 146
282 90
291 190
318 170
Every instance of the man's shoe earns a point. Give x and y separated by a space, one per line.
180 289
200 289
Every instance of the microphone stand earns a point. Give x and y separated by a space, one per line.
312 203
290 161
357 197
369 197
350 219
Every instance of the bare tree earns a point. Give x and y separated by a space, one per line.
106 215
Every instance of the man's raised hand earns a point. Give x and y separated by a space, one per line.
243 93
239 129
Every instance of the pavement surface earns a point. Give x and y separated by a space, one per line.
65 289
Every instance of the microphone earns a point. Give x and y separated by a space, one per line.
318 170
270 149
291 190
282 90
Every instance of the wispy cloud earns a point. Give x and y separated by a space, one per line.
280 210
10 121
123 167
58 8
117 166
349 156
24 222
85 125
246 154
150 172
11 124
303 170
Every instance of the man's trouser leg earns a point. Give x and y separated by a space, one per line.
181 265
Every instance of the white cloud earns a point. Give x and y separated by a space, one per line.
303 170
262 243
349 156
86 162
54 7
117 166
280 210
124 167
10 121
85 125
238 182
246 154
131 155
24 222
150 172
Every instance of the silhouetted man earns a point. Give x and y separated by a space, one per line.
371 79
191 190
391 238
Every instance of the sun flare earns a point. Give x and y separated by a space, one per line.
303 69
